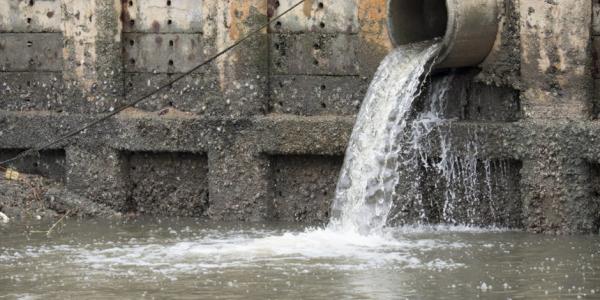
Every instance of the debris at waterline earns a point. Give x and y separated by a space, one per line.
4 218
31 196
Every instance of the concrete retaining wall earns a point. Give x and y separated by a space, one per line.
260 134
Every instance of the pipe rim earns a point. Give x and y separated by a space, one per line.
447 57
450 35
447 41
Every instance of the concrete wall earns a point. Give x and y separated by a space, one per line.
260 133
220 143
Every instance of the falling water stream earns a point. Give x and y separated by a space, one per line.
357 256
366 187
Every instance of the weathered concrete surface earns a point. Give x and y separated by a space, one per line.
335 95
36 52
92 67
98 172
503 65
31 91
556 58
303 187
28 16
171 184
556 69
160 16
285 100
315 54
325 16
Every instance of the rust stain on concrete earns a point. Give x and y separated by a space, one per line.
155 26
125 16
271 7
372 16
239 12
307 8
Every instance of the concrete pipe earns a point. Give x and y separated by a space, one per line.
468 27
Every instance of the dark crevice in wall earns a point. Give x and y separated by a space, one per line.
594 169
167 183
47 163
490 196
268 106
469 100
303 187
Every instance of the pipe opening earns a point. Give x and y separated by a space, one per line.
416 21
468 28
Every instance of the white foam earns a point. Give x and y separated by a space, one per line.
314 248
233 249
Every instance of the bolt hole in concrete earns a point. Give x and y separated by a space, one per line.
171 43
31 2
357 254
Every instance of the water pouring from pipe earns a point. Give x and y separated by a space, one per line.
427 33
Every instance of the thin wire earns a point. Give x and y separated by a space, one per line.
146 96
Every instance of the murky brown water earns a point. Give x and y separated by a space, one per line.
191 260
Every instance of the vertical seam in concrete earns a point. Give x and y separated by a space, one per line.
268 96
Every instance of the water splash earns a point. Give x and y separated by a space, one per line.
366 187
470 188
389 174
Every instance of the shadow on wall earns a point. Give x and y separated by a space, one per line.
303 187
594 181
167 184
47 163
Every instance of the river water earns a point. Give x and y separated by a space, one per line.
187 259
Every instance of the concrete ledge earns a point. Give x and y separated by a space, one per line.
558 159
140 131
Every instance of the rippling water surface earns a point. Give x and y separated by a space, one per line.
187 259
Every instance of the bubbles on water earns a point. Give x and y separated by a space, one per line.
484 287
